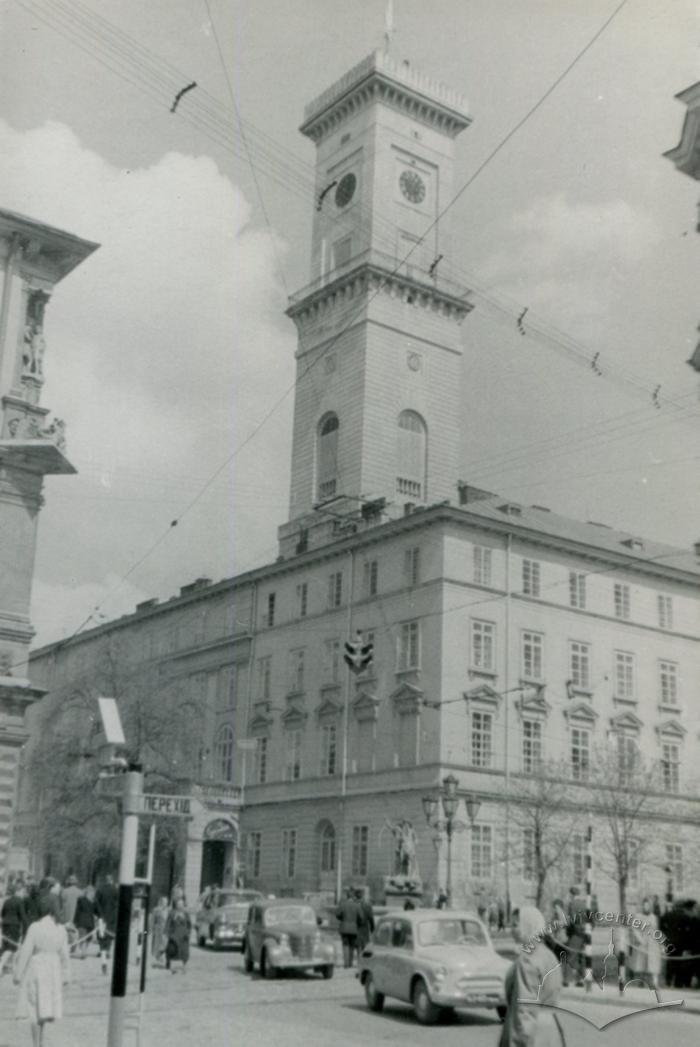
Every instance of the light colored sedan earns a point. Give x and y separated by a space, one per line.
435 959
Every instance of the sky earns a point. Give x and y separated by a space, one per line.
169 354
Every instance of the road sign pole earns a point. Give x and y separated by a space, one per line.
133 790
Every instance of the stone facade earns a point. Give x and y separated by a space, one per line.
33 258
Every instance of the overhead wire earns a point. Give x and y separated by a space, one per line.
33 7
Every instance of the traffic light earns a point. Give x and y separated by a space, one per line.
358 655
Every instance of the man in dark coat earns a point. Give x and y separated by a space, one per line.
14 925
106 902
366 921
349 917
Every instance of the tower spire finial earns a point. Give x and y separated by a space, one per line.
388 25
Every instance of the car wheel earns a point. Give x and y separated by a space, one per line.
327 971
375 1000
268 970
502 1011
248 964
427 1012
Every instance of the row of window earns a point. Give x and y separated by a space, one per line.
482 659
335 587
480 855
481 852
411 458
481 751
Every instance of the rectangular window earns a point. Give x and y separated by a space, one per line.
668 683
332 661
664 606
532 746
360 850
578 858
408 739
297 659
481 852
370 577
482 565
624 675
365 745
627 758
302 599
289 853
342 251
580 753
622 601
264 677
335 589
531 577
577 589
408 654
670 767
482 739
411 566
483 645
254 854
674 867
228 687
580 664
270 612
260 760
292 771
532 645
529 857
328 749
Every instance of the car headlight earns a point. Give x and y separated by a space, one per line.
284 941
439 973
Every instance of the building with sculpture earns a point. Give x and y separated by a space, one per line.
34 258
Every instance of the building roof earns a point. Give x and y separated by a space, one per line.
63 251
603 540
399 84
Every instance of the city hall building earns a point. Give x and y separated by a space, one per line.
504 636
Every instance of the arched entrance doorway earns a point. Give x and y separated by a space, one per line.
219 854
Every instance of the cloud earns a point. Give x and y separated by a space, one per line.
574 257
164 348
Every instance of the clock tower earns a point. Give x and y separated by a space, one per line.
377 407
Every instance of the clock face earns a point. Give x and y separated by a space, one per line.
346 190
412 186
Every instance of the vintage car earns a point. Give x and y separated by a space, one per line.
283 934
435 959
222 916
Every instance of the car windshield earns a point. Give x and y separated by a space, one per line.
237 912
451 930
233 898
281 914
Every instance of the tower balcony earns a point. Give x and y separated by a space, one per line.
411 282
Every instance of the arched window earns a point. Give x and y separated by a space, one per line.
223 753
411 459
327 456
327 837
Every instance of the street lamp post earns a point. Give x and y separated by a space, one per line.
450 824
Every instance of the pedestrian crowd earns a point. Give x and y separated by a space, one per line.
44 923
355 923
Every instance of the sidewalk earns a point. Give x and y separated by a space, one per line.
635 997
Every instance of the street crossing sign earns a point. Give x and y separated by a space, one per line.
168 806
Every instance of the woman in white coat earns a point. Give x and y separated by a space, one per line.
43 966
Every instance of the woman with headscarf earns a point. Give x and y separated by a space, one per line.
535 975
42 968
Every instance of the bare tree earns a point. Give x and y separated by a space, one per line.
623 794
79 829
541 814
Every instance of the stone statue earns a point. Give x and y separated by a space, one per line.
405 838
